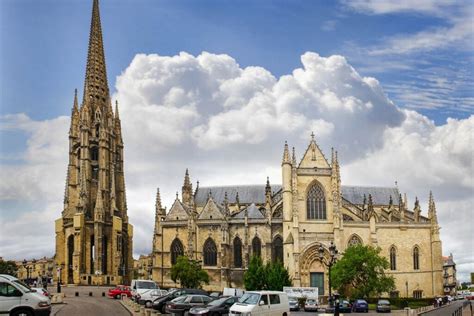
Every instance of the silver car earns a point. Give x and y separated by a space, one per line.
311 305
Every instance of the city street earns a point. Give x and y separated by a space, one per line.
87 305
302 313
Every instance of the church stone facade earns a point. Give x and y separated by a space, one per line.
93 235
223 226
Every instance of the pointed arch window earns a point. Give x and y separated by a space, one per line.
237 252
256 247
355 240
393 258
176 250
277 249
210 253
316 203
416 258
94 153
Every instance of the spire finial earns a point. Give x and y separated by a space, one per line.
312 136
96 87
116 110
158 201
286 154
75 106
187 181
293 158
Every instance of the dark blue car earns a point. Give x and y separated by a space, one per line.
360 306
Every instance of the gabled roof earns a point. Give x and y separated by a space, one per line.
252 211
177 212
211 210
313 157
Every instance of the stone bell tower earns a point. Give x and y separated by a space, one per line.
93 235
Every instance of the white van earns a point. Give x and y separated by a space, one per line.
16 298
140 286
265 303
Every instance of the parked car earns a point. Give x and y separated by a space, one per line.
180 305
294 305
18 298
261 303
311 305
383 306
459 296
140 286
119 290
215 294
214 308
42 291
345 306
147 297
160 302
360 306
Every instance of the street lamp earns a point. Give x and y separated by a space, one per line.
332 259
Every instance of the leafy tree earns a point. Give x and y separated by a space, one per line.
254 277
360 273
276 276
189 273
272 276
8 267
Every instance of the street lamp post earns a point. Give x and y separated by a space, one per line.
329 263
58 269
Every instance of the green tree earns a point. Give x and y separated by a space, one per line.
254 277
276 276
8 267
360 273
272 276
189 273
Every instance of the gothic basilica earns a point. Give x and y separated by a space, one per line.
223 226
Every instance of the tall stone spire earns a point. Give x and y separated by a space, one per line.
96 88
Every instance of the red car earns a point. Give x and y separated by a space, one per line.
120 290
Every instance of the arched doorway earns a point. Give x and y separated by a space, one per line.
314 272
70 252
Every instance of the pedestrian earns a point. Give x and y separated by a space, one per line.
34 283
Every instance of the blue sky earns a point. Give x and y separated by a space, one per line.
273 71
46 45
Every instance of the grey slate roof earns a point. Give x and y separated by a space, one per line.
253 212
249 194
380 195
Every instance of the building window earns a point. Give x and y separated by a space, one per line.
256 247
277 249
316 203
210 253
94 153
355 240
393 258
176 250
416 258
237 252
418 294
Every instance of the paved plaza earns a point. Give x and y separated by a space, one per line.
83 304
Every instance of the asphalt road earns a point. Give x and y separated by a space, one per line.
370 313
82 305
